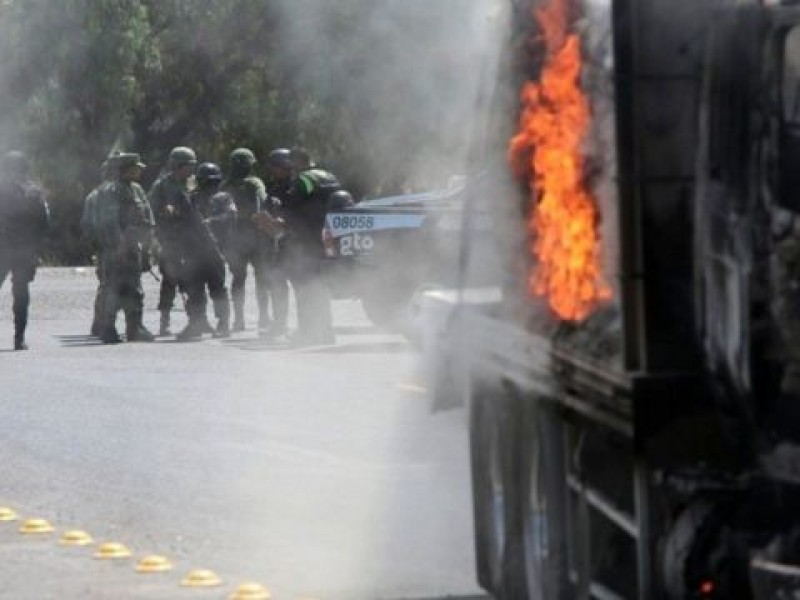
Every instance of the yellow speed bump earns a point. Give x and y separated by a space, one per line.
34 526
111 550
251 591
201 578
75 537
154 564
7 514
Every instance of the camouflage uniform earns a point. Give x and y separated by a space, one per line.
124 226
24 221
246 246
167 191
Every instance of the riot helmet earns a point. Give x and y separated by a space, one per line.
207 173
280 158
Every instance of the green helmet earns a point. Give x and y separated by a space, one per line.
129 159
181 155
243 157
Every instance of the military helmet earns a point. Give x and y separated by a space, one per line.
208 171
129 159
243 157
181 155
280 158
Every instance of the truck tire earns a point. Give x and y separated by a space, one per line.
543 573
492 469
534 565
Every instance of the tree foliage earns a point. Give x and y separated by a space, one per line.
378 90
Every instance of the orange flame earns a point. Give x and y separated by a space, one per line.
548 151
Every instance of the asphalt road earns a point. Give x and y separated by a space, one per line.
317 472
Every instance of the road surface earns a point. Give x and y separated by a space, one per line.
319 473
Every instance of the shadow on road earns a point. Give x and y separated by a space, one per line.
78 341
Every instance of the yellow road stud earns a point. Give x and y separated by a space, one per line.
201 578
7 514
251 591
111 550
32 526
75 537
153 564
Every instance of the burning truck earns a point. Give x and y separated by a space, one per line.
634 384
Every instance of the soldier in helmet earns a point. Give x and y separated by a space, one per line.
246 245
24 221
124 230
169 191
299 225
202 258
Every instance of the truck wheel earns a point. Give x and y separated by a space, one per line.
543 505
491 466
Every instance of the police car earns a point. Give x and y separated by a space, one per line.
387 251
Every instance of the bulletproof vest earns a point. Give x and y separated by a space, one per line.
169 200
319 184
134 212
306 207
248 195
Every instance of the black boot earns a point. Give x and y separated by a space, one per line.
222 310
204 326
134 330
96 329
20 324
163 327
19 342
193 331
109 335
238 314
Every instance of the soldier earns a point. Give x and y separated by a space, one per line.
89 229
301 220
125 229
202 260
168 191
24 221
246 246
